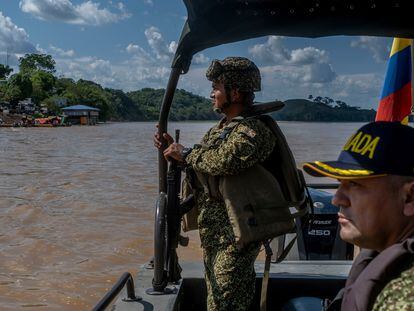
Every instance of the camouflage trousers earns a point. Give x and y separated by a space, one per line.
230 277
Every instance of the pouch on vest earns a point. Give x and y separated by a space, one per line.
190 189
256 206
200 182
189 220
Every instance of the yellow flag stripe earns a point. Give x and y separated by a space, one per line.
405 121
399 44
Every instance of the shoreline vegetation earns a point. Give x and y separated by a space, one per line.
36 80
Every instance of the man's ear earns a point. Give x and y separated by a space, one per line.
235 95
408 189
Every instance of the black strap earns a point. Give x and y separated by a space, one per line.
266 273
283 251
335 304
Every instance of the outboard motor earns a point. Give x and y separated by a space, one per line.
318 235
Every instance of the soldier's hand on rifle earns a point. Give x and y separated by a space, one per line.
157 140
174 151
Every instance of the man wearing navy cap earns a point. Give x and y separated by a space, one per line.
376 200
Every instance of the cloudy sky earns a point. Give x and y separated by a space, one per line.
129 44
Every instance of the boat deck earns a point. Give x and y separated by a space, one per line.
287 280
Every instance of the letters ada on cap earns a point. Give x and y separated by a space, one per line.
377 148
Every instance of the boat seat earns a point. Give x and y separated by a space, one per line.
304 304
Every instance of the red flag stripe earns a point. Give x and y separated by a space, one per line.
395 106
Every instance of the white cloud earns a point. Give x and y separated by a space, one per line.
61 52
378 46
87 68
362 85
284 82
86 13
200 58
143 68
172 47
319 73
40 49
287 82
150 2
308 65
139 56
139 71
13 38
132 48
308 55
274 51
156 42
271 51
121 6
299 73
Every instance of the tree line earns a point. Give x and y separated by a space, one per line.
323 111
37 79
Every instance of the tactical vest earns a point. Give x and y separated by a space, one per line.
370 273
259 199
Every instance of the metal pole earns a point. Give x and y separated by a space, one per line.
162 126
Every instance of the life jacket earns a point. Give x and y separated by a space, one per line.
261 201
370 273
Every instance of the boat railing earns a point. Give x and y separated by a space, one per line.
125 279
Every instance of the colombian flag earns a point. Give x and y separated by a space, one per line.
395 103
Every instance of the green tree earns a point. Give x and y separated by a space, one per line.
18 87
64 85
5 71
125 108
3 89
34 62
88 93
42 85
51 105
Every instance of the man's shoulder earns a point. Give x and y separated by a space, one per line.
398 294
253 126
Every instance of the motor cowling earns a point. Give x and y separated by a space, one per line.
318 235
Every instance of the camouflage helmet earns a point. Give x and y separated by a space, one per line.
238 72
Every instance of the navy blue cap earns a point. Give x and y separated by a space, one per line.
377 148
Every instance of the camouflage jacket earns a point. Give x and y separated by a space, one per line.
248 143
398 294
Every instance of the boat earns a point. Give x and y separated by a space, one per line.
321 261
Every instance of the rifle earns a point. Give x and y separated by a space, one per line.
167 231
173 217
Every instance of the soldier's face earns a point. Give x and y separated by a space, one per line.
218 95
371 212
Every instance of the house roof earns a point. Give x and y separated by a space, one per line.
81 107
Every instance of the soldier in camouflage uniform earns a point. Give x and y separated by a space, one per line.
376 199
234 144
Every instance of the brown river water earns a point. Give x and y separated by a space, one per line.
77 205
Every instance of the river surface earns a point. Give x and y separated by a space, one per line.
77 205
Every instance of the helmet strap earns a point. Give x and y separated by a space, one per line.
228 90
227 103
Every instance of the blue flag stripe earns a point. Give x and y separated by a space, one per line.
398 72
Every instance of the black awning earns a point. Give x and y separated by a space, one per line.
214 22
